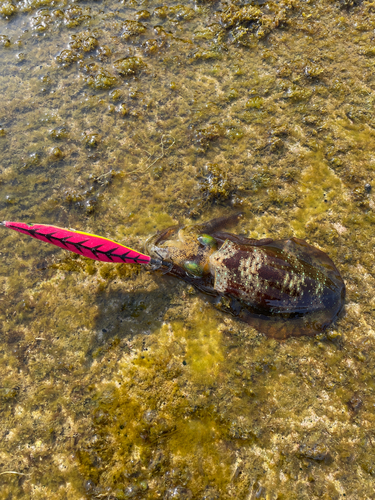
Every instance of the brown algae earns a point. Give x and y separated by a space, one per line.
114 383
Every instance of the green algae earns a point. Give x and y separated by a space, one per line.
140 427
118 383
128 66
317 197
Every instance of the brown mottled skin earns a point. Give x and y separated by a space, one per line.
282 288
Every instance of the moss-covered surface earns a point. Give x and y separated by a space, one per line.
121 118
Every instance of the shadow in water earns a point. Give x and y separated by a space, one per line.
124 315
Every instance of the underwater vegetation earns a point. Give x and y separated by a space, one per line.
126 117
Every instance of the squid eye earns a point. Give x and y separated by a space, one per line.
207 241
193 268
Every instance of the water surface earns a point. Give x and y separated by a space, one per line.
122 118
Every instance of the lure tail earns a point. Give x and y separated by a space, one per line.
89 245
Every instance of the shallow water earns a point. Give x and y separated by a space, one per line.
117 383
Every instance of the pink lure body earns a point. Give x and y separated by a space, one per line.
89 245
